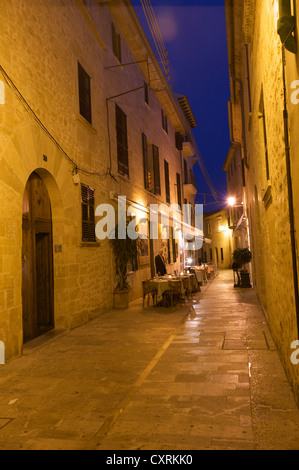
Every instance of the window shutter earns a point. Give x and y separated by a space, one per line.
145 161
84 93
178 141
122 141
164 121
174 250
167 186
116 42
118 55
91 215
146 93
157 185
88 214
185 172
179 193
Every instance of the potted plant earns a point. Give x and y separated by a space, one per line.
124 251
241 257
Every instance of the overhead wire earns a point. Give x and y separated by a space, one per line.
164 51
149 22
156 34
161 49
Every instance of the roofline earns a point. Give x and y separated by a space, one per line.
124 6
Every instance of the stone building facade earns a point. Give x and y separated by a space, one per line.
86 115
217 248
264 113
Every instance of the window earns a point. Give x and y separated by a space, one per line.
88 217
156 164
243 172
151 167
178 141
84 93
116 43
248 77
164 121
222 255
179 192
174 245
211 254
122 141
262 117
167 185
209 227
185 172
146 93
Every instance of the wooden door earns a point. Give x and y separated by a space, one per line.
37 260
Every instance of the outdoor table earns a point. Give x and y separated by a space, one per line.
161 285
200 273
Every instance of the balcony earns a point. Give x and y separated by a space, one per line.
188 150
190 185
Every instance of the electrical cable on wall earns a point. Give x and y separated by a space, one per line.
29 110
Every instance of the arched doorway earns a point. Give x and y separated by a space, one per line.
37 260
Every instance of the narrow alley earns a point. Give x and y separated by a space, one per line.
203 376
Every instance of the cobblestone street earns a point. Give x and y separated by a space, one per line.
203 376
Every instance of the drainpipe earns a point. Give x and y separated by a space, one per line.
286 26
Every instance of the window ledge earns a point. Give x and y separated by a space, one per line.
124 176
86 124
89 244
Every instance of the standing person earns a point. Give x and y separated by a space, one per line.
160 263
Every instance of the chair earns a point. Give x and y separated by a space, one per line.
175 291
147 291
188 291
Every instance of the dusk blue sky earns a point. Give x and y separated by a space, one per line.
194 33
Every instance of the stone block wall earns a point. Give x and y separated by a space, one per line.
40 46
267 195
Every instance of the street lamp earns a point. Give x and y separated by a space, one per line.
233 203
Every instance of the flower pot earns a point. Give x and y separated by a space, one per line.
245 280
121 299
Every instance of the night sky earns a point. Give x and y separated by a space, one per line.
194 33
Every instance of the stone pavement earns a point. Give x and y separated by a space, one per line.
203 376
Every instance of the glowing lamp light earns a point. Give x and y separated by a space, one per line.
231 201
189 261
